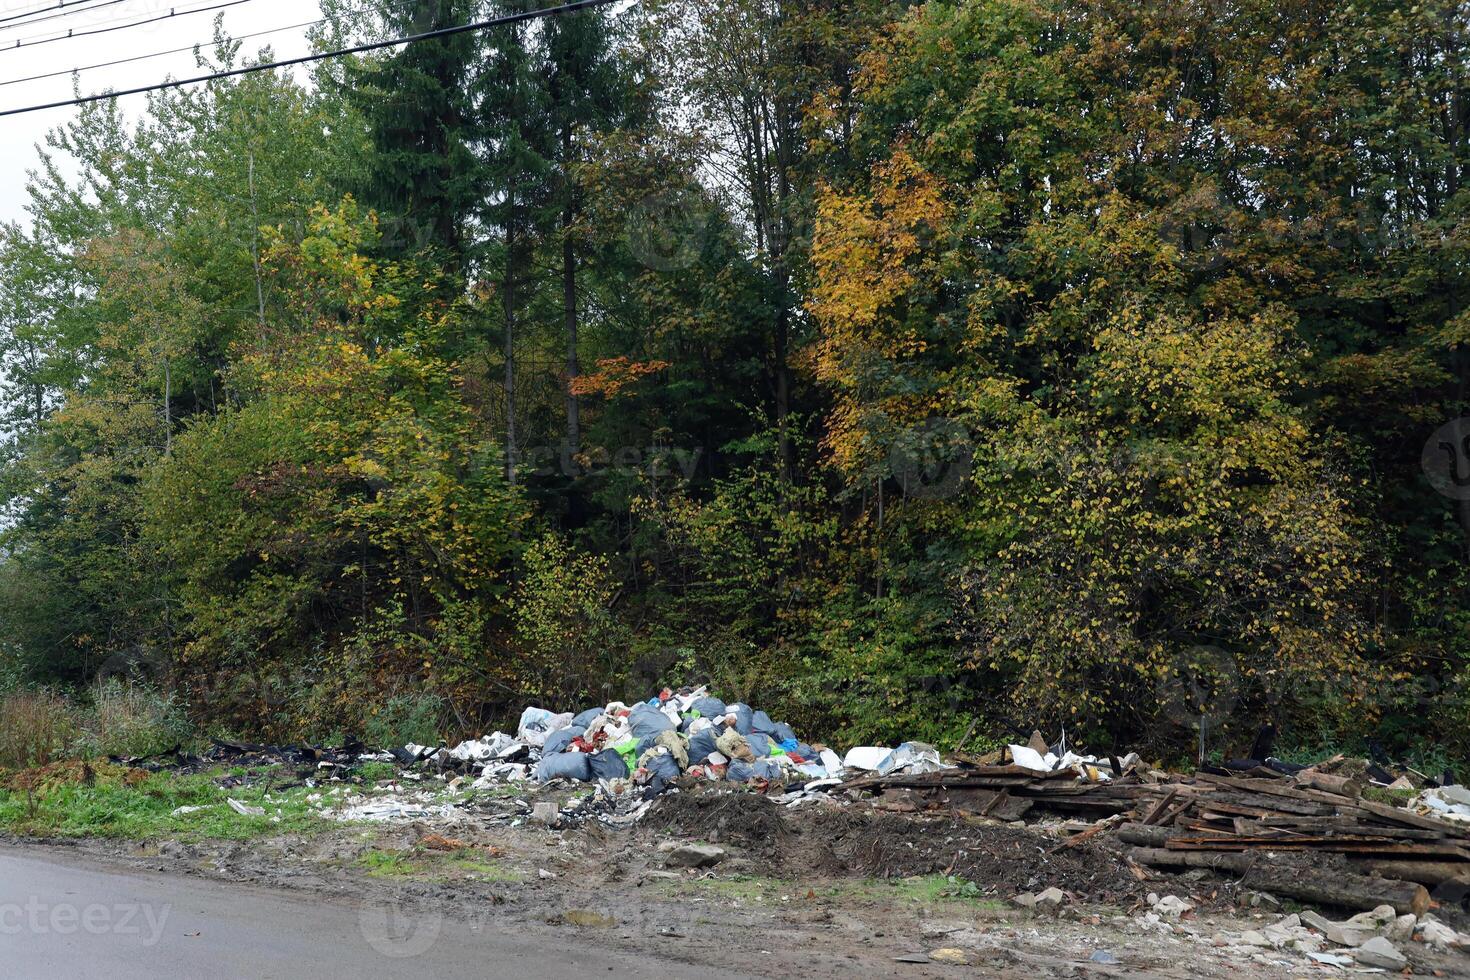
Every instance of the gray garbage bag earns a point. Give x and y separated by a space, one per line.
701 745
646 720
564 765
766 769
708 707
607 764
783 733
761 722
586 718
661 766
743 716
759 744
559 740
739 772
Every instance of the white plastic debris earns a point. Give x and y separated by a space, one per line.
481 749
397 808
245 809
1447 802
911 757
1029 758
866 757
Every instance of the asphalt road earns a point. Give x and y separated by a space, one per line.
67 921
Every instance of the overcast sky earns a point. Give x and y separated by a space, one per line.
20 134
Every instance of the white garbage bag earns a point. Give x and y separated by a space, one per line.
537 723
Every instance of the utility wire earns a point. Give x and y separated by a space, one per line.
50 8
52 13
515 18
37 41
157 54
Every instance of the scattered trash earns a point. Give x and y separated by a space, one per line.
245 809
1448 802
1330 959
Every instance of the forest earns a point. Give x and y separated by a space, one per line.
917 370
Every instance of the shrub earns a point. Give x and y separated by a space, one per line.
572 640
35 728
406 718
130 720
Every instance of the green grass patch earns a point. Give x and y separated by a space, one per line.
372 772
110 808
388 864
436 865
1393 797
927 891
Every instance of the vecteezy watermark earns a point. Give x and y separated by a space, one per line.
1445 459
1200 687
397 931
656 461
35 917
931 461
666 231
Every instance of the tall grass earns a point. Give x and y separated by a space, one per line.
130 720
36 727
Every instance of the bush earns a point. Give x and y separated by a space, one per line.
130 720
35 728
406 718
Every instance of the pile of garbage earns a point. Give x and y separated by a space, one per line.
647 745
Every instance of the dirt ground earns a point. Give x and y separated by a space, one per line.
825 890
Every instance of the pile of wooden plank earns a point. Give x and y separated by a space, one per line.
1263 825
1238 823
1001 792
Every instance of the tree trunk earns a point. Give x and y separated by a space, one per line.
508 293
569 302
1310 885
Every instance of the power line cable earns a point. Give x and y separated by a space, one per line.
52 13
515 18
37 41
51 8
157 54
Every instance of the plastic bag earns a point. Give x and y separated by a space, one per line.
564 765
537 723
